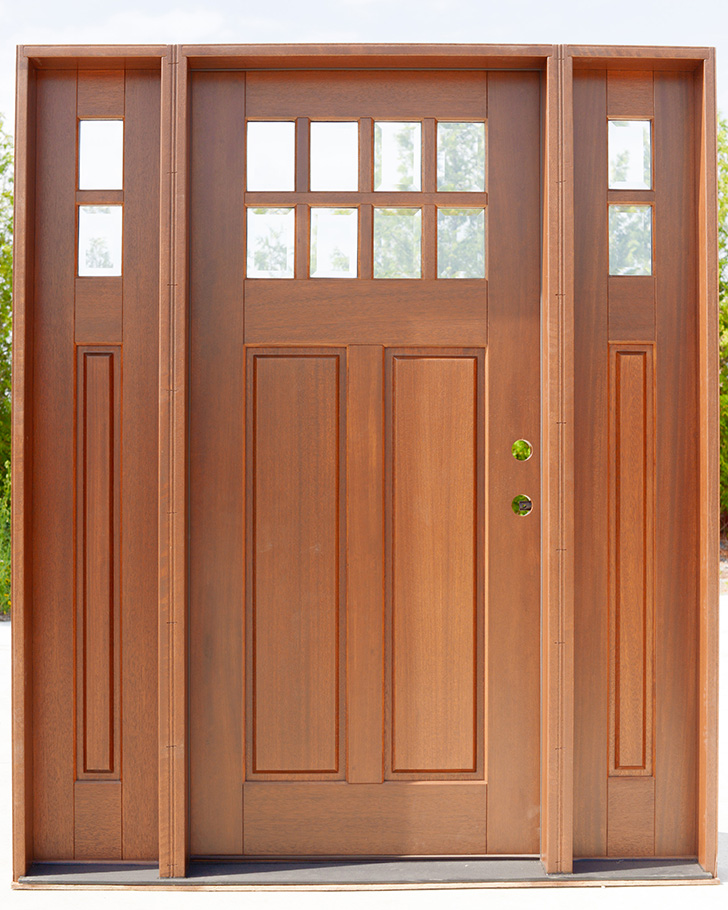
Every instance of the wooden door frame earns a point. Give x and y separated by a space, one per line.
557 64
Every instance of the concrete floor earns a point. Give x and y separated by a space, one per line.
695 896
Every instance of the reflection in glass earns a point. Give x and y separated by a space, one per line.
461 243
522 505
397 243
334 245
397 156
522 450
101 154
630 240
630 155
99 240
461 157
271 156
335 156
271 242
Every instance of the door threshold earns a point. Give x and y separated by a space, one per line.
375 874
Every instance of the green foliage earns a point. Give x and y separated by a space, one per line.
723 278
6 335
5 540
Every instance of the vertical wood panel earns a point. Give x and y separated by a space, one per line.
97 581
676 592
365 569
514 590
433 506
53 468
632 458
21 456
139 488
172 510
709 467
217 507
295 444
591 395
630 94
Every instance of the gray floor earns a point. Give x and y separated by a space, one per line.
366 872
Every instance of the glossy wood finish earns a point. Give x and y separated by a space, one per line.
217 475
513 543
391 312
98 513
296 444
632 559
365 529
368 819
172 471
434 401
97 819
659 731
41 411
631 811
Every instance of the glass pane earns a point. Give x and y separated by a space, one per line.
397 156
99 240
397 243
271 156
630 155
271 243
335 156
101 154
461 157
630 240
461 243
334 245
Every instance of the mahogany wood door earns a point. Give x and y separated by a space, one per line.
364 602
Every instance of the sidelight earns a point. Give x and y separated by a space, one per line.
101 154
630 155
461 157
630 239
398 156
99 240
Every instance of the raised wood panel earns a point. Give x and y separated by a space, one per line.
434 524
98 554
632 308
97 819
632 544
389 312
631 813
101 93
216 465
296 477
99 310
365 568
630 94
366 819
349 95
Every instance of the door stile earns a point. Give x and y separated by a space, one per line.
365 558
173 798
557 410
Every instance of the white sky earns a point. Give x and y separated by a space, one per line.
653 22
